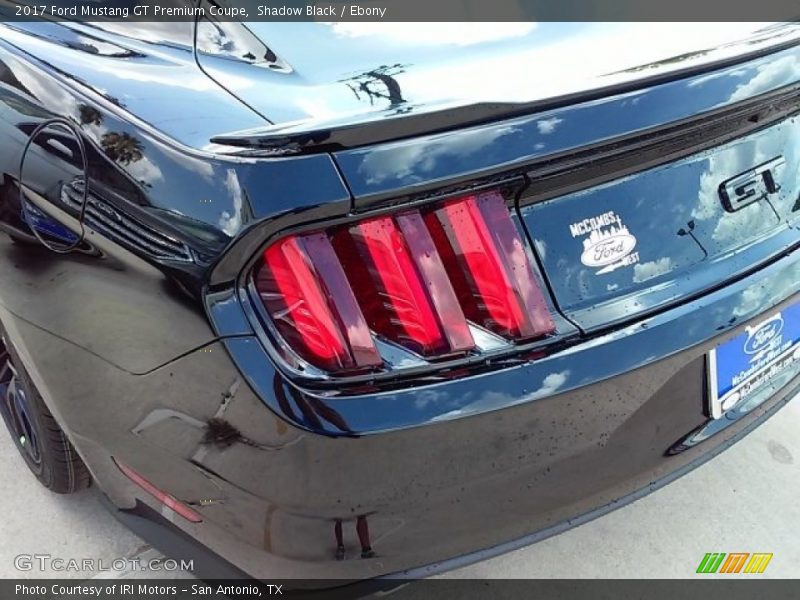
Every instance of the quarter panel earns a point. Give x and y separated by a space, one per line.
115 297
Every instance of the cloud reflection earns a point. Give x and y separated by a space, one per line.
494 400
411 162
438 34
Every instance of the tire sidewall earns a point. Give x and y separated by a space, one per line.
56 468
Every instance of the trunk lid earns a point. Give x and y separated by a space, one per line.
641 242
315 72
721 200
634 201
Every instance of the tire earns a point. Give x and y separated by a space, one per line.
43 445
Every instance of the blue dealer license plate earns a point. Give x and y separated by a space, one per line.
742 370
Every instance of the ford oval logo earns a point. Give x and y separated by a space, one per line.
608 250
763 335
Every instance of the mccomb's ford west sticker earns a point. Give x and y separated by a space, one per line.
608 244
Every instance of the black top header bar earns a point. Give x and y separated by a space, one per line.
401 10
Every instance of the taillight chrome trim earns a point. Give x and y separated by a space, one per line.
400 363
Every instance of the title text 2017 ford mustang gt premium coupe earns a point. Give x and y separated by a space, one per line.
313 300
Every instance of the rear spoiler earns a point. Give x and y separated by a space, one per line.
407 120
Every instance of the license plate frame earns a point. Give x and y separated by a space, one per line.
742 367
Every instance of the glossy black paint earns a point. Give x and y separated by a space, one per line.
196 199
141 337
686 241
397 168
340 85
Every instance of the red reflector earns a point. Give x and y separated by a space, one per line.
488 266
304 288
401 285
164 498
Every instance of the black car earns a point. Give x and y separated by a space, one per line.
345 300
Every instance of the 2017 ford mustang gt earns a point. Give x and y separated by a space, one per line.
345 300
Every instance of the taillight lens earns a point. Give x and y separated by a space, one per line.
489 267
416 279
303 286
400 281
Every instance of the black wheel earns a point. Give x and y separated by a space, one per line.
41 442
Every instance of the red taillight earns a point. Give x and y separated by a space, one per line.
304 288
400 282
415 279
434 276
489 267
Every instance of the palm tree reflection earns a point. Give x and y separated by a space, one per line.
122 148
380 83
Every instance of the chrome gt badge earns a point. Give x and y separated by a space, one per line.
609 244
751 186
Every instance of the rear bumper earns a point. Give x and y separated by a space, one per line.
548 444
163 534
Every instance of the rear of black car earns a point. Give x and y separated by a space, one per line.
648 239
518 318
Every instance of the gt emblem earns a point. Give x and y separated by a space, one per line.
751 186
